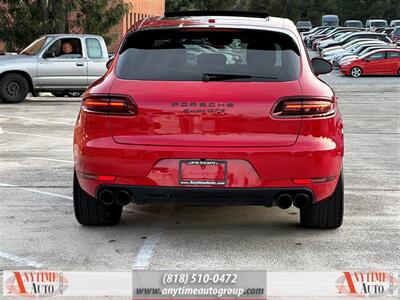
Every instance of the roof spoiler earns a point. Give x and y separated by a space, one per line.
219 13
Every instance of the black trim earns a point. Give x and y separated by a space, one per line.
219 13
205 196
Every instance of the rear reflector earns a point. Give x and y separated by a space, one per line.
96 177
307 107
313 180
109 104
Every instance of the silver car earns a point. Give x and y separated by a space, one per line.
60 64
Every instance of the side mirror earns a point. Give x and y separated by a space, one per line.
367 60
321 66
109 63
51 54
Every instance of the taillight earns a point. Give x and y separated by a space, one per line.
109 104
307 107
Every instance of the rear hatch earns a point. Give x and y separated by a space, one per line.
217 94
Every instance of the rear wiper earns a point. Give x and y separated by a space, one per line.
222 76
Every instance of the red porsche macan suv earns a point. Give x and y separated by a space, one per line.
210 108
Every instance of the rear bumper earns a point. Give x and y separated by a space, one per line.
204 196
317 153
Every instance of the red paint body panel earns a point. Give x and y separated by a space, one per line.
387 66
260 151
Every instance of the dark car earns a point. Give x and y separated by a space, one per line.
303 26
353 23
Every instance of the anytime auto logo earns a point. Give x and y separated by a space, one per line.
367 283
36 283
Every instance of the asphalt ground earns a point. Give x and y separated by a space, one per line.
38 228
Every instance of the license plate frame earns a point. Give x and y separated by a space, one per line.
193 163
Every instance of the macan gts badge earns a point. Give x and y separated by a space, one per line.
198 108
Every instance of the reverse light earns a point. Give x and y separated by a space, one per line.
307 107
109 104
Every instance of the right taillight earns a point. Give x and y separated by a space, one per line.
306 107
109 104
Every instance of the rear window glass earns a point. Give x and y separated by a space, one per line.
186 55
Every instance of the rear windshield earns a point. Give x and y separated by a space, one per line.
378 24
190 54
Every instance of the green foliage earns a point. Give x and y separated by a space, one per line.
21 21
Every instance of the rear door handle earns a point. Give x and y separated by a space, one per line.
80 64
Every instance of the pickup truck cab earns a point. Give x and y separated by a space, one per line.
60 64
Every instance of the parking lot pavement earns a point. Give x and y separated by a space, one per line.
38 228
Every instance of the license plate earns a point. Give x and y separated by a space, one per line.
202 172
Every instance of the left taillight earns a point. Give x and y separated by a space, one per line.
304 107
109 104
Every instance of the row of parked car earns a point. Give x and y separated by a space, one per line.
333 20
357 51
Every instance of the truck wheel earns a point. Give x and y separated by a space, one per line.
89 211
13 88
74 94
327 214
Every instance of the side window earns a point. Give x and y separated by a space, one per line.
65 48
393 55
377 56
94 48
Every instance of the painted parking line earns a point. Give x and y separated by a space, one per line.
35 191
53 160
146 253
72 122
20 260
37 135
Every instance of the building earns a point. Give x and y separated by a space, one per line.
140 9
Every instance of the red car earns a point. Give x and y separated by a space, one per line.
221 109
377 62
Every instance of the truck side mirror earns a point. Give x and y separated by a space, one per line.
109 63
321 66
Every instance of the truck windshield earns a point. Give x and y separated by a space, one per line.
35 47
220 54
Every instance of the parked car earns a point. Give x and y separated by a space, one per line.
395 35
158 128
60 64
333 50
376 23
362 51
355 36
352 51
377 62
353 23
394 23
303 26
330 20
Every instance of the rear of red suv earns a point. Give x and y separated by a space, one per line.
197 109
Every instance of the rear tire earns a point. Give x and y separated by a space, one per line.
13 88
327 214
356 72
89 211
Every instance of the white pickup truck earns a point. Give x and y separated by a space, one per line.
61 64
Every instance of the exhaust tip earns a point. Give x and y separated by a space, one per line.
123 198
284 201
106 197
301 200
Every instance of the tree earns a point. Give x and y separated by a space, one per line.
23 20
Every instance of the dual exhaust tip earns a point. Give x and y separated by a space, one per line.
300 200
121 197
